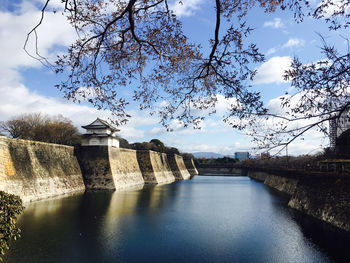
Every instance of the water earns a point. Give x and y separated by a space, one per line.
206 219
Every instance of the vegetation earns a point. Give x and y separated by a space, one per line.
123 143
10 207
38 127
154 145
126 41
159 144
301 162
306 161
187 155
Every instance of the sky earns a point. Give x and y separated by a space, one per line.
27 86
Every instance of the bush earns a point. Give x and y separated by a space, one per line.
10 207
154 145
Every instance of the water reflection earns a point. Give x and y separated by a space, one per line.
330 240
207 219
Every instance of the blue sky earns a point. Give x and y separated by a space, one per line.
27 86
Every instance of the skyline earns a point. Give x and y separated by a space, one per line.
26 86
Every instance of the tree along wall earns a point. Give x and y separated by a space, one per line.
154 167
37 170
111 168
178 167
190 166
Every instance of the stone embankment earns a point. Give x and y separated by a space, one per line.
178 167
191 168
154 167
325 197
220 169
283 184
36 170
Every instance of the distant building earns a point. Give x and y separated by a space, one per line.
242 155
100 133
338 126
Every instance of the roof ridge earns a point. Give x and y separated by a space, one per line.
103 122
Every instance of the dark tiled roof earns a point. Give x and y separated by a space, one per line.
105 124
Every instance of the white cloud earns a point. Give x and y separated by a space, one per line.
294 42
56 31
227 149
271 51
310 142
186 7
224 104
17 99
333 7
272 70
276 23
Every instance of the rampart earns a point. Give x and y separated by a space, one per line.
220 169
191 168
325 197
109 167
36 170
154 167
178 167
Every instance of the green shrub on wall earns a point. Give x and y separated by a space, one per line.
10 207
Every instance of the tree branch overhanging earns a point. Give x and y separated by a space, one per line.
130 43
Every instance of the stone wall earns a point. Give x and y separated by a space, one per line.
109 167
222 169
95 167
154 167
322 196
326 198
284 184
190 166
178 167
258 175
125 168
36 170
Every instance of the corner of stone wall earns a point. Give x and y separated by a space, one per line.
178 167
190 166
146 167
95 167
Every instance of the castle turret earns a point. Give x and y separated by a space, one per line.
100 133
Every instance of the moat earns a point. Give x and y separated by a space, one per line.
206 219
